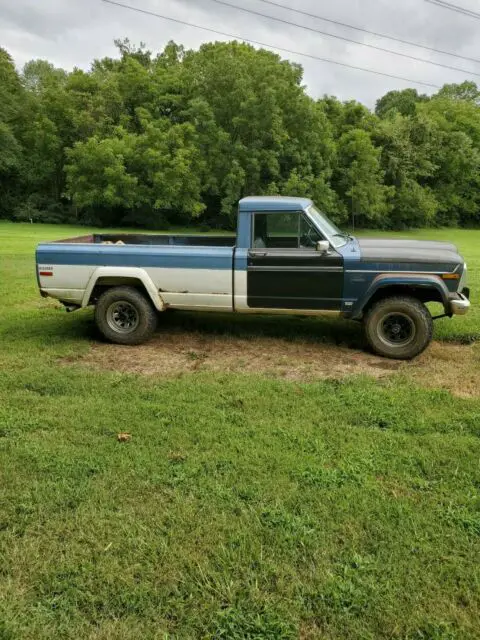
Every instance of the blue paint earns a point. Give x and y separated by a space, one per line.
363 279
351 257
375 281
244 228
273 203
173 257
240 259
417 267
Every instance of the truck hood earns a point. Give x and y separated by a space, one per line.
411 251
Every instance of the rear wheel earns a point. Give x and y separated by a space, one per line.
399 327
125 316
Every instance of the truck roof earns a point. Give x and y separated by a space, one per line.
273 203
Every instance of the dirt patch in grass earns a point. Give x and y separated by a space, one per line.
455 368
172 354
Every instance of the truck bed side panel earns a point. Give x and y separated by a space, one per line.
186 277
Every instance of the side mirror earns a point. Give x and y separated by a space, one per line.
323 246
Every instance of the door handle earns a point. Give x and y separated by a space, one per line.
258 254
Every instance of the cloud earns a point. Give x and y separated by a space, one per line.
72 33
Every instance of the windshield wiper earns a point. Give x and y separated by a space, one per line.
343 235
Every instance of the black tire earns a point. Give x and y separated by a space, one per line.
398 327
125 316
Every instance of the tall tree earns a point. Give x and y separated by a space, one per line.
266 125
11 98
358 179
179 136
403 102
456 155
406 159
467 91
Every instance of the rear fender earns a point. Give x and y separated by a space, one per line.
400 283
119 276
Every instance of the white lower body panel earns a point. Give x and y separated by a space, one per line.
209 289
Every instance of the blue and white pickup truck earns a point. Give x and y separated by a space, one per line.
287 257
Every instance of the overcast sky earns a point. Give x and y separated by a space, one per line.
73 32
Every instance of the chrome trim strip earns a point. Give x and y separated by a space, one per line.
305 269
284 252
292 312
417 272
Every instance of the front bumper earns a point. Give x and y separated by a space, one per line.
460 304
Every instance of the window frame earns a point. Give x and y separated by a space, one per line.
312 210
301 213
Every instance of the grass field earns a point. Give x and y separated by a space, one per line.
249 503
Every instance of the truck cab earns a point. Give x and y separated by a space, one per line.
293 257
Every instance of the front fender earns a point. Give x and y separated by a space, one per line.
126 273
402 280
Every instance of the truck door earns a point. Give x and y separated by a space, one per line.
284 269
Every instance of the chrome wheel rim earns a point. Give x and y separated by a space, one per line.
122 317
396 329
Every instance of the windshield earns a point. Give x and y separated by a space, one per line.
327 227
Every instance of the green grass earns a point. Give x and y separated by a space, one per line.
244 506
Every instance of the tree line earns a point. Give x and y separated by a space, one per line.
177 138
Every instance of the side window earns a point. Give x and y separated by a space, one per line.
283 231
276 230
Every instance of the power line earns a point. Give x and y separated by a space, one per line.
345 39
271 46
455 7
371 33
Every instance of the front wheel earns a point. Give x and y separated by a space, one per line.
399 327
125 316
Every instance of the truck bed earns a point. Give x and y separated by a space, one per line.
184 271
153 240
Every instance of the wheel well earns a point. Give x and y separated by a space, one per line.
424 294
107 282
